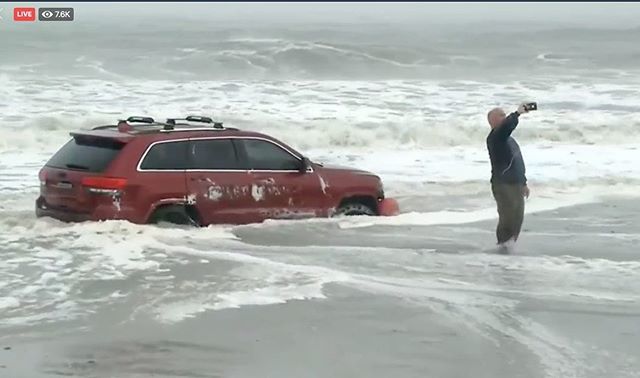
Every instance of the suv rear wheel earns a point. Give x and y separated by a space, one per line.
174 214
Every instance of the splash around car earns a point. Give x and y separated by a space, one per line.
196 171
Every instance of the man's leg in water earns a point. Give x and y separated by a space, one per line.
509 221
519 213
502 200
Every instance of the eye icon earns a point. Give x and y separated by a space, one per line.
47 14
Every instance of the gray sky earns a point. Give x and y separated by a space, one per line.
622 15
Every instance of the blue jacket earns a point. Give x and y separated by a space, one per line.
507 165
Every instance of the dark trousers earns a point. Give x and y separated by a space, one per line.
510 202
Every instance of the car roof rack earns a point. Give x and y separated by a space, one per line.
136 119
171 122
143 124
126 123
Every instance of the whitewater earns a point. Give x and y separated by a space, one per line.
399 294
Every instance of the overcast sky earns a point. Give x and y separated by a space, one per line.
572 14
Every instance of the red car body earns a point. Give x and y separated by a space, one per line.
143 171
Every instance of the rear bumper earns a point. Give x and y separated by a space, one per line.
388 207
42 210
99 213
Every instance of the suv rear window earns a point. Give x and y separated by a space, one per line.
86 153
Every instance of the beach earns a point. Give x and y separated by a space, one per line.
421 294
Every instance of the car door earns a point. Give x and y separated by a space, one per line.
217 184
278 188
160 175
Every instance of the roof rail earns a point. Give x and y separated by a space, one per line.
199 119
133 122
125 125
140 120
171 122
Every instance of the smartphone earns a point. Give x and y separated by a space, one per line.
531 106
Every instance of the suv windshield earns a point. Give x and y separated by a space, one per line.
86 154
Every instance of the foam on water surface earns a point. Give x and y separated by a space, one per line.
461 217
487 305
180 310
9 302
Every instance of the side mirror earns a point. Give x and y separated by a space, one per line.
305 164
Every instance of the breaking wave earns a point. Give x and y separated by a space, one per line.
49 133
317 114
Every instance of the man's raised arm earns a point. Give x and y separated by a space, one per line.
509 124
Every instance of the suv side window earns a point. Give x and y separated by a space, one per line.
213 154
166 156
263 155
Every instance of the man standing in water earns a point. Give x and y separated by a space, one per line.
508 179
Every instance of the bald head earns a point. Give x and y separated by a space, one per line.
495 117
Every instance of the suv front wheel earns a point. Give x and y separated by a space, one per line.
353 209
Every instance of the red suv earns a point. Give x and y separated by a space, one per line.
196 171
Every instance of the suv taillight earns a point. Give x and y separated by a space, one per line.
104 184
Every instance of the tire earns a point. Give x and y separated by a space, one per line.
354 209
173 214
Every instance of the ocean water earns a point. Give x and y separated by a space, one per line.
405 102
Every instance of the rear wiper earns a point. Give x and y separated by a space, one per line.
75 166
